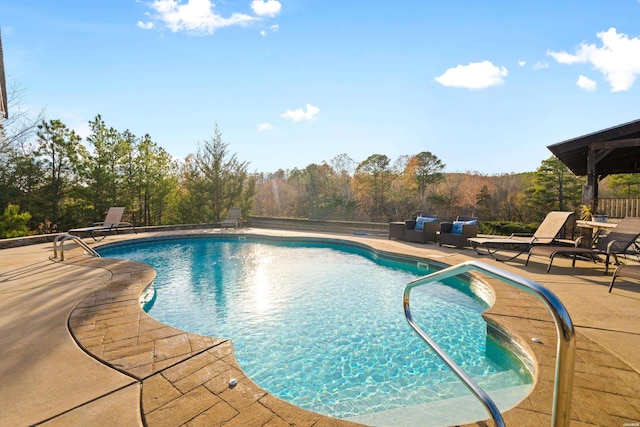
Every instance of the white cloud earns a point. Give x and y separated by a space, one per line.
522 63
477 75
586 83
618 59
540 65
564 57
83 130
299 114
274 29
266 8
145 25
265 127
195 16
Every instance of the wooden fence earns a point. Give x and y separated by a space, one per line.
619 208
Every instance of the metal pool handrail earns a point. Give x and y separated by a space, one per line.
565 358
64 237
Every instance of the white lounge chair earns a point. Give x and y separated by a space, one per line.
233 218
112 222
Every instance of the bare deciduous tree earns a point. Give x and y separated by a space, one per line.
21 124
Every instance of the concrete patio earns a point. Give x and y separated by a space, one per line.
77 349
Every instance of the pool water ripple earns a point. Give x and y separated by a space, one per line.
322 326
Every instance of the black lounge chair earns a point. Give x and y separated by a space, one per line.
617 242
629 270
546 234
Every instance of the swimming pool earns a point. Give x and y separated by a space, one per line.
321 324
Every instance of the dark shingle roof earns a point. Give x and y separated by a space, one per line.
617 150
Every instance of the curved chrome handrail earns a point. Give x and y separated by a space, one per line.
61 238
565 359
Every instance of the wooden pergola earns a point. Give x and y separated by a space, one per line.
610 151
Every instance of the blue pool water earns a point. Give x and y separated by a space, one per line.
321 325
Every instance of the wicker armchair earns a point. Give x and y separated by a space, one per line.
458 232
429 232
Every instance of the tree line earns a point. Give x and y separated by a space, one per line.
380 190
53 180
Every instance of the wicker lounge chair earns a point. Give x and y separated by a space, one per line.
112 222
233 218
457 233
546 234
617 242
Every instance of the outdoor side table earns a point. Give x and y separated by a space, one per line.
396 230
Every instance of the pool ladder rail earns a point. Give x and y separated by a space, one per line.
61 238
565 358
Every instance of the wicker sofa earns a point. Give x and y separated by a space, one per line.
458 232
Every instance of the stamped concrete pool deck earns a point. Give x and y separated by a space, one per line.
76 348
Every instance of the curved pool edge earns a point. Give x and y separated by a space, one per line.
183 376
177 368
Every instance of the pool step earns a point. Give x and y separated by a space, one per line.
446 412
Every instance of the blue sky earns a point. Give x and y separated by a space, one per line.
483 85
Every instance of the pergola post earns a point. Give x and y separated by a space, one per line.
591 196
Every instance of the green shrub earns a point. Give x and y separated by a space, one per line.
506 228
13 223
